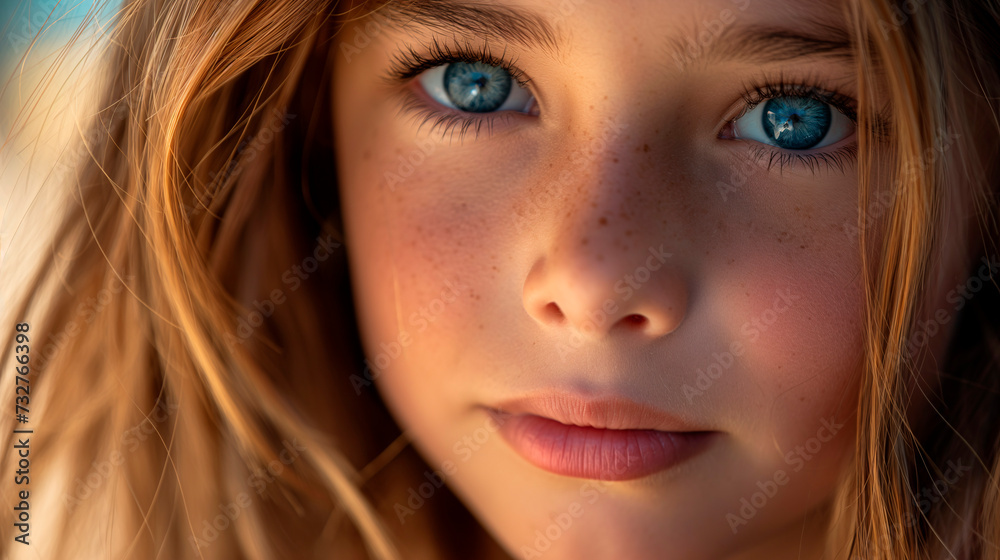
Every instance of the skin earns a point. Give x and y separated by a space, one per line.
480 276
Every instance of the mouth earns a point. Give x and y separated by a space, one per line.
611 439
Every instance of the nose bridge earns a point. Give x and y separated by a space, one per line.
606 223
602 265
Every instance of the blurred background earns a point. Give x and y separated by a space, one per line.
48 49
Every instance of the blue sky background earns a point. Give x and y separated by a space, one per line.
21 20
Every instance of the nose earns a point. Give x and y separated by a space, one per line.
594 294
597 272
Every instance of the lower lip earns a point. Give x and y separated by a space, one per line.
598 453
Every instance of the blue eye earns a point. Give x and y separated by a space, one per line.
475 87
794 123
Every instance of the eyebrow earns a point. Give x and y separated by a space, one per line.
750 43
763 44
516 26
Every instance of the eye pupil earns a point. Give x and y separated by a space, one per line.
796 123
476 87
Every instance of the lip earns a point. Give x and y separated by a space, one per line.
610 438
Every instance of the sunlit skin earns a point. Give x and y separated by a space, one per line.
482 268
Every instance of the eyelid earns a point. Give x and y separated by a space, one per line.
408 62
836 156
756 93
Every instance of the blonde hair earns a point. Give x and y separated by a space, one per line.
937 62
210 180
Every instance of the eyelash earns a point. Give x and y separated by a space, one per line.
408 63
771 87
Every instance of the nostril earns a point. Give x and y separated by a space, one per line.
552 313
635 320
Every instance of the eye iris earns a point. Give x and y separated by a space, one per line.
476 87
796 123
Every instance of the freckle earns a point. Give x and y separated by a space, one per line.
600 258
605 97
802 246
615 160
593 205
584 241
645 147
480 327
591 107
603 221
628 233
367 154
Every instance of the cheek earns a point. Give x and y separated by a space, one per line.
803 330
423 266
803 358
784 283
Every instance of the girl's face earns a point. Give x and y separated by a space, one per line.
619 308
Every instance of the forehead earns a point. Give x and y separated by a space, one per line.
770 30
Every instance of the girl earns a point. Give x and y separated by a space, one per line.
636 279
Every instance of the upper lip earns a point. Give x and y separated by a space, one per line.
608 412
